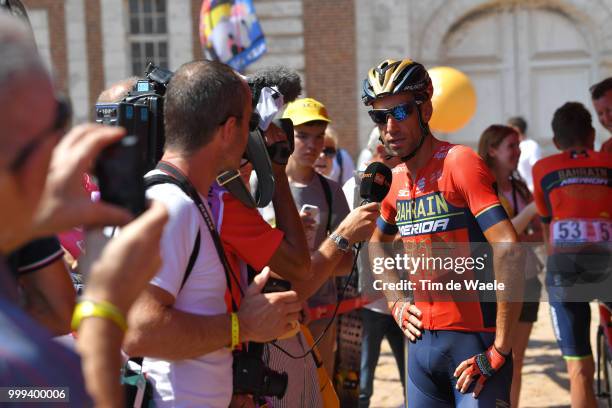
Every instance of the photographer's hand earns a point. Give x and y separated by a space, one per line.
274 134
65 203
265 317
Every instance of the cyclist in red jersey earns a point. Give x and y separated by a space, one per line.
443 193
573 192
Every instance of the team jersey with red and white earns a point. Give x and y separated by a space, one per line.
573 193
450 200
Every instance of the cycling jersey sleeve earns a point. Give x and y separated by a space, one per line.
538 193
475 183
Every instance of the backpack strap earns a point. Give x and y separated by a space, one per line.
340 160
328 199
156 179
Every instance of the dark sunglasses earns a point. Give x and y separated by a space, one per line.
329 152
62 117
399 113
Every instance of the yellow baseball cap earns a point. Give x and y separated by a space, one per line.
306 110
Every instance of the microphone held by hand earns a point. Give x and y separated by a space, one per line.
375 182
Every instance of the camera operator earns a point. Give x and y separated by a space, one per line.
42 195
186 332
248 237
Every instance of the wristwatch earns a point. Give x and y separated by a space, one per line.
341 242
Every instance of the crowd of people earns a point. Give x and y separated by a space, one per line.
188 291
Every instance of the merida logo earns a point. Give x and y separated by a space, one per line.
424 227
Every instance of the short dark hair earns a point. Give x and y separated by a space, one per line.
571 125
599 89
518 122
200 96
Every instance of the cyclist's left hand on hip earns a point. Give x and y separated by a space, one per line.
479 368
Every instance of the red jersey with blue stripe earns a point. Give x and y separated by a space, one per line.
573 193
450 200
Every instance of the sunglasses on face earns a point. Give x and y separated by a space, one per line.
399 113
329 152
62 117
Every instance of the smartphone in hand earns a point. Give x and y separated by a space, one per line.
314 212
276 285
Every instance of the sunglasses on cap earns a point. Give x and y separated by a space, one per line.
62 117
399 113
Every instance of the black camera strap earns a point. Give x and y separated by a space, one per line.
175 176
232 181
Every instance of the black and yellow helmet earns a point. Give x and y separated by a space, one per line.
391 77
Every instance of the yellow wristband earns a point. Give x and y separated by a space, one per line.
105 310
235 331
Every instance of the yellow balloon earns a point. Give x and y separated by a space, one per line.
454 99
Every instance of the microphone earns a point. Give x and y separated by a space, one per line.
375 183
287 81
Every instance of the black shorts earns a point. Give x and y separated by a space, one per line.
529 312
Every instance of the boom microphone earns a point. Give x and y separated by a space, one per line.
287 81
375 182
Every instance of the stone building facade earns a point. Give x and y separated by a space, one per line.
524 57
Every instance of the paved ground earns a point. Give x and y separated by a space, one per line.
545 382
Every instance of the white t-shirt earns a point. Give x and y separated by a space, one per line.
205 381
380 304
530 153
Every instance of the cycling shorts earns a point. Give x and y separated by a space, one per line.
572 281
432 361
